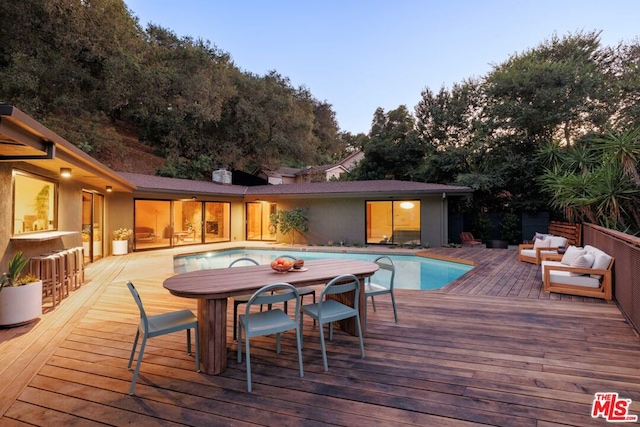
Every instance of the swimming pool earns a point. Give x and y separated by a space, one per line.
412 272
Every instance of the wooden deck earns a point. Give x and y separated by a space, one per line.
490 349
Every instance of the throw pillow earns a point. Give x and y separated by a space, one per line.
541 243
571 253
601 262
583 261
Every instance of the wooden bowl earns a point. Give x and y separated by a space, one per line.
281 268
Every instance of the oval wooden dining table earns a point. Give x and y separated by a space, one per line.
212 288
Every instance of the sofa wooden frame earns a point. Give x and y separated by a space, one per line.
605 291
539 255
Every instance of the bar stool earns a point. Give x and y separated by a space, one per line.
78 252
69 277
45 267
61 269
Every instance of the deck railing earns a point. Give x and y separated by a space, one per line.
626 268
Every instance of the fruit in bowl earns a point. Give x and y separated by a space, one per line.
297 264
281 265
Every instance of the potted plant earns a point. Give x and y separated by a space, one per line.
509 228
120 244
20 296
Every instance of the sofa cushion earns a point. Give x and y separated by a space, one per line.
566 278
541 244
601 261
556 241
583 261
546 264
571 253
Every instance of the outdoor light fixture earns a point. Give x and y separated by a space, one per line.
109 189
406 205
65 172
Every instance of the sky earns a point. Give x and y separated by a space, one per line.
358 55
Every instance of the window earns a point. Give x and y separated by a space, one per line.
34 203
393 222
165 223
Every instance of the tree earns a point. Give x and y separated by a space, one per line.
554 90
393 150
604 190
288 222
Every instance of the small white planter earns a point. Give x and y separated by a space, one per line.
20 304
119 247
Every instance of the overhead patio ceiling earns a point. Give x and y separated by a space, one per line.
23 139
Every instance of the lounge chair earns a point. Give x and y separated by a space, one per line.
467 239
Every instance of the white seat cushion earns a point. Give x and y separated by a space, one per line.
567 278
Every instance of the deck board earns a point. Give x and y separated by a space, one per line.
491 348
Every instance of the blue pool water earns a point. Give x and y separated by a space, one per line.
412 272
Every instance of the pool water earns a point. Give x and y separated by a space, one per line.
412 272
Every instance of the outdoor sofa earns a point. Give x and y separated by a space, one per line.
543 244
580 271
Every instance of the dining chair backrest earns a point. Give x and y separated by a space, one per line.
340 285
386 263
144 321
243 260
267 295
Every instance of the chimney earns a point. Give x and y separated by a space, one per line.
222 176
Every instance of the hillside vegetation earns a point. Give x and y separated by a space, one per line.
87 70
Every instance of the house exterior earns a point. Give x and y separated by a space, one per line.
288 175
45 211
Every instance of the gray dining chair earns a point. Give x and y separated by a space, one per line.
268 322
374 288
240 299
328 310
161 324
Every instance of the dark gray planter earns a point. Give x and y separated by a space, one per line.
498 244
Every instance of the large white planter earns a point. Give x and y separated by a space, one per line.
119 247
20 304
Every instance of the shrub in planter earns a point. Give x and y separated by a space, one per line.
20 296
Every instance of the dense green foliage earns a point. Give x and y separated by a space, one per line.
85 68
490 134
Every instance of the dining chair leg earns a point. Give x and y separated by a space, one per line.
138 363
359 327
393 303
248 356
373 302
133 349
299 340
324 349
